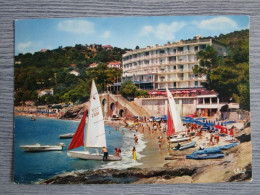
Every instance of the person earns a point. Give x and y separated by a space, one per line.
169 144
104 150
160 141
211 138
136 139
134 153
117 152
201 147
216 137
178 146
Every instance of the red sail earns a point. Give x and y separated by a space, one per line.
170 129
78 137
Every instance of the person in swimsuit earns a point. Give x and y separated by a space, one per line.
134 153
160 141
104 150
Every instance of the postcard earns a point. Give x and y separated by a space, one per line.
132 100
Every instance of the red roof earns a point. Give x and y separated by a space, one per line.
114 63
107 46
93 64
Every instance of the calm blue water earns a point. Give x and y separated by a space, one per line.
32 167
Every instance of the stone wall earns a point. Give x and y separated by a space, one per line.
158 106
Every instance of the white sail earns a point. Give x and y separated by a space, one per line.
95 133
176 118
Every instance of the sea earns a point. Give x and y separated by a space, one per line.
32 167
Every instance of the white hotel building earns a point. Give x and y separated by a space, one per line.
169 65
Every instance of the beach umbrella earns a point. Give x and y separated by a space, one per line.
218 126
164 117
164 93
193 91
153 93
177 92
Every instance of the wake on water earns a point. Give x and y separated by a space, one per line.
127 157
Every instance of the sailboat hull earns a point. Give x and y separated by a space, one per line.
38 148
176 140
87 156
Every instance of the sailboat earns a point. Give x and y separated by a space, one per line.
42 148
95 137
174 121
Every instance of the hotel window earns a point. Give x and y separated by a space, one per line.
181 67
187 101
207 100
196 48
203 46
174 67
162 51
200 100
146 62
196 83
174 84
172 58
147 53
180 48
214 100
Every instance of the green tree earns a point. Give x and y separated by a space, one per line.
128 89
230 76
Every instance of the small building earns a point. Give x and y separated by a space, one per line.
45 92
44 50
74 72
93 65
73 65
114 64
18 62
29 103
108 47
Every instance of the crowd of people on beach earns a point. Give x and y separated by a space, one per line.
158 131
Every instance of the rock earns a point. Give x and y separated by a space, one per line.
75 112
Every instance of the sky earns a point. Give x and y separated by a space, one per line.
32 35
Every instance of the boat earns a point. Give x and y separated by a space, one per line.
179 138
228 146
186 146
95 137
204 156
212 150
67 136
42 148
174 122
33 119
